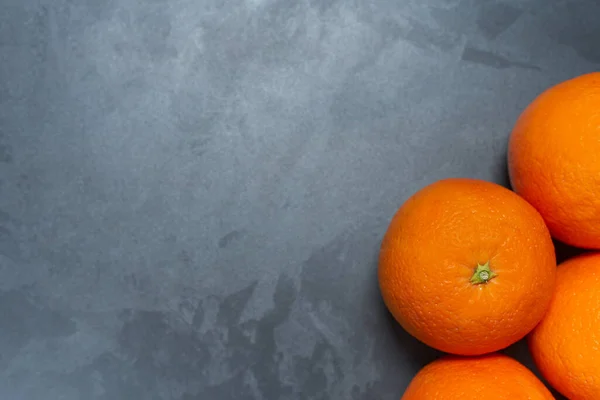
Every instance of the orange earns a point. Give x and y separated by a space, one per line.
554 159
467 266
566 344
488 377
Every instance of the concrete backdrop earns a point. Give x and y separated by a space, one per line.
193 192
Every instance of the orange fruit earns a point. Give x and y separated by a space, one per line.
490 377
467 266
566 344
554 159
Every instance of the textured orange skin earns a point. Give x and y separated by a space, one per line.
554 159
488 377
429 253
566 344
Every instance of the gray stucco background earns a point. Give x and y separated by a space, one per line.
193 192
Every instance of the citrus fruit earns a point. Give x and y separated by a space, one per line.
467 266
490 377
566 344
554 159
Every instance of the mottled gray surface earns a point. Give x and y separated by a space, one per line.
193 192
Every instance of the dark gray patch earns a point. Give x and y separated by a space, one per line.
138 282
156 356
24 319
9 245
266 36
185 258
196 115
234 388
283 298
137 83
93 97
24 183
159 354
65 258
310 372
5 154
123 48
495 18
232 306
199 313
100 10
489 59
325 272
155 29
265 361
116 378
170 239
4 217
412 31
575 24
21 26
425 37
254 353
583 41
157 348
390 30
357 104
227 239
457 18
323 6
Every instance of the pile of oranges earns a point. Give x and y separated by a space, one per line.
469 267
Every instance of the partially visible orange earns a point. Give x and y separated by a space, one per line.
554 159
566 344
488 377
467 266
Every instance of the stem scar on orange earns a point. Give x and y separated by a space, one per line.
467 266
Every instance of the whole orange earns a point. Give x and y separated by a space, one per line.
554 159
489 377
566 344
467 266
